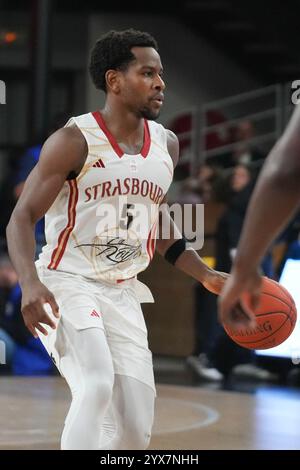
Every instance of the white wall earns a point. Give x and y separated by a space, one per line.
195 72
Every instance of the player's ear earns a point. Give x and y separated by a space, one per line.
112 78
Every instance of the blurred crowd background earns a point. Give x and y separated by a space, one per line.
229 67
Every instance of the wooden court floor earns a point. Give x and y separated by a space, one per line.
33 410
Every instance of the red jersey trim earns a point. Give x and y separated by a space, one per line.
151 242
101 123
147 140
66 232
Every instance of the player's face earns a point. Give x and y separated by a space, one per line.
240 178
143 85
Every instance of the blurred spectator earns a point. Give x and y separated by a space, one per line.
227 355
7 198
8 279
241 185
189 192
246 152
26 163
206 332
202 188
24 355
206 325
210 181
230 225
216 354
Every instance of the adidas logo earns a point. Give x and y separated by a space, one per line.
99 164
95 314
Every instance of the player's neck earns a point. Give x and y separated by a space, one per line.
123 125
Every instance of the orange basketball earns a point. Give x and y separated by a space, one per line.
276 317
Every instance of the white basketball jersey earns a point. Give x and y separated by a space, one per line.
103 224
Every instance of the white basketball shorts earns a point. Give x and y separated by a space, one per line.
115 309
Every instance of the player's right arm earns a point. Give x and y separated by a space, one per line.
64 152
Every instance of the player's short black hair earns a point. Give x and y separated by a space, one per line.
113 51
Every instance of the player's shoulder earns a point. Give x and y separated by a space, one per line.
160 128
169 139
83 120
171 136
66 147
173 146
69 136
71 132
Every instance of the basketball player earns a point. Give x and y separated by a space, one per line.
95 330
275 199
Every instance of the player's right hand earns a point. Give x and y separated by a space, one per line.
34 296
232 311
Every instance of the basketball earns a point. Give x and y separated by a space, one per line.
276 317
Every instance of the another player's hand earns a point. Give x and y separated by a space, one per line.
232 311
214 281
34 297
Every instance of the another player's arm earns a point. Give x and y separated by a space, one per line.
62 153
275 198
189 261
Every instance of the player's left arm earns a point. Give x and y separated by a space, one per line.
187 260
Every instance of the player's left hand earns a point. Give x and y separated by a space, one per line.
214 281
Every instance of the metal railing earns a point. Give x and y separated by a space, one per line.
268 108
257 106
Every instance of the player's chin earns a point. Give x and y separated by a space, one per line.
151 113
